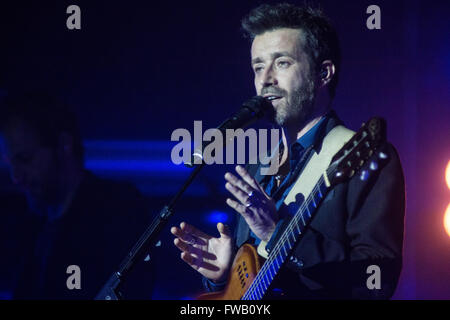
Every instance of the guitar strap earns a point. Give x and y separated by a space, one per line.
316 166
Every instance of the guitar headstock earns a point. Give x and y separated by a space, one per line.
357 151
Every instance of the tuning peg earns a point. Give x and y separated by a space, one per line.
382 155
373 165
364 175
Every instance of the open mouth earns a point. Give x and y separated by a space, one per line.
272 97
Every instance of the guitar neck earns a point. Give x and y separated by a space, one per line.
287 241
343 165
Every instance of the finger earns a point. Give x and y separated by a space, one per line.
237 193
195 263
241 209
175 231
187 237
194 250
181 234
186 231
183 246
224 230
235 181
191 260
248 178
190 229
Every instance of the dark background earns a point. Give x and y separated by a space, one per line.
137 70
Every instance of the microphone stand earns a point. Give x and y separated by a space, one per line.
251 110
111 289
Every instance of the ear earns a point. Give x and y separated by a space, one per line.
326 73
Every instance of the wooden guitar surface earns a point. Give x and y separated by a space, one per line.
246 266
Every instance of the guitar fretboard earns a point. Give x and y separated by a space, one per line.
344 164
287 241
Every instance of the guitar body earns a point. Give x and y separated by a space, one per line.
246 266
343 155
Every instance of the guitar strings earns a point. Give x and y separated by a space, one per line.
277 249
282 242
256 284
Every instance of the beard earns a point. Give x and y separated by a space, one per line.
298 107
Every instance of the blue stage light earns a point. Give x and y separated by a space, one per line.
217 216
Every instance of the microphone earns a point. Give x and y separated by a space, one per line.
251 110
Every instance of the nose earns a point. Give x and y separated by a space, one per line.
268 78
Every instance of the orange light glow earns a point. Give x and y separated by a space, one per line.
447 220
447 174
447 212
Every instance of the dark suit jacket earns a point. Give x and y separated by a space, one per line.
359 223
103 222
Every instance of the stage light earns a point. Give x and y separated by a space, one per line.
447 212
447 174
447 220
217 216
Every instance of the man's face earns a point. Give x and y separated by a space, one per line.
33 167
283 72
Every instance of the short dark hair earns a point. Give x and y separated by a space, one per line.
44 113
321 40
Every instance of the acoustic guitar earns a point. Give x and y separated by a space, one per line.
250 276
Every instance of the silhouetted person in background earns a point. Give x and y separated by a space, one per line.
75 218
13 235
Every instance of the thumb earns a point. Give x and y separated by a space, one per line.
224 231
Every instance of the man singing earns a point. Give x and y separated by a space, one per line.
295 57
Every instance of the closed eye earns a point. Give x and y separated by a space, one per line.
283 64
258 68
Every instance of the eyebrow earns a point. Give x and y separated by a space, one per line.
273 56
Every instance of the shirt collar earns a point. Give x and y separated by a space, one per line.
307 139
